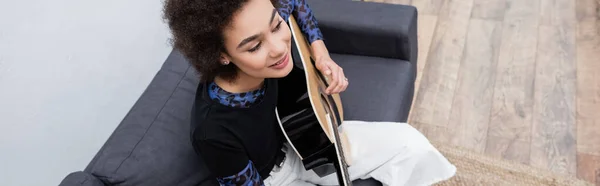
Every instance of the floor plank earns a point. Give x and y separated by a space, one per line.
431 7
435 133
436 90
553 144
473 98
588 91
588 83
588 167
425 31
587 8
489 9
509 133
558 13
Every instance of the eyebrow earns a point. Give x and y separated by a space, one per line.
253 37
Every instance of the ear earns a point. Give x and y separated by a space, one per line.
225 59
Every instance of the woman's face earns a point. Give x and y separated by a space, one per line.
258 41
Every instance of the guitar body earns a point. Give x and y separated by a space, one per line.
308 117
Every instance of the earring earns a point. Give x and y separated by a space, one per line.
226 63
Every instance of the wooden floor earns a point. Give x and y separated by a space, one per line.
517 79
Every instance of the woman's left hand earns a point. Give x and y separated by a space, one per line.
337 80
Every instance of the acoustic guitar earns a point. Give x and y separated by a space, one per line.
308 117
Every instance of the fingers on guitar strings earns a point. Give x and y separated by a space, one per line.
339 81
334 81
324 68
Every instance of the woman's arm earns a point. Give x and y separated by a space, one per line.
319 50
310 28
247 177
307 22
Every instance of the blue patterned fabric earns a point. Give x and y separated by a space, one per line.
248 176
239 100
304 16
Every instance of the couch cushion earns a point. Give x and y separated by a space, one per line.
370 29
80 178
380 89
152 144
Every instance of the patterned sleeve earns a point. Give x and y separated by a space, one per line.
247 177
304 16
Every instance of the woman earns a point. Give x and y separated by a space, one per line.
242 48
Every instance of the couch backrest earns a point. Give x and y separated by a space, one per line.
151 146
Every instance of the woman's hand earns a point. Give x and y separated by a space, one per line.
335 74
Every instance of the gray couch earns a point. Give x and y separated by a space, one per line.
376 44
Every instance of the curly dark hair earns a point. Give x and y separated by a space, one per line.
197 27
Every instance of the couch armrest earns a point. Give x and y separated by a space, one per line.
80 178
368 28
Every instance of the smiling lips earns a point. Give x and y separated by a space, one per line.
282 63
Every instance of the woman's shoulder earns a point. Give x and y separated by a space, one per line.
204 120
210 127
210 114
213 116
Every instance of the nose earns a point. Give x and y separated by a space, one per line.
278 48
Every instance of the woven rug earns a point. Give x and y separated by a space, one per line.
478 169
